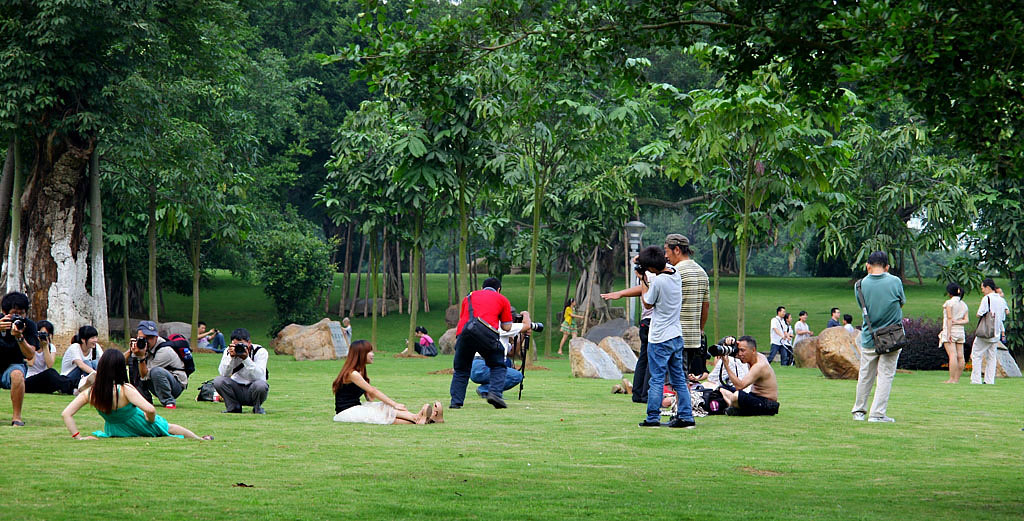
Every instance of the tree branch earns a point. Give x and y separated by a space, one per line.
676 205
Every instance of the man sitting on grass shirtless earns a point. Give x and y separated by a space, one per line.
763 398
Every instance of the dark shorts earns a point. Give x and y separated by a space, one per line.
754 405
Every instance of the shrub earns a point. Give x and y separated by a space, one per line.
293 266
923 352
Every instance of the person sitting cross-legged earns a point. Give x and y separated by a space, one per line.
763 399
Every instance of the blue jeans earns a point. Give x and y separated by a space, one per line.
494 358
662 357
76 374
786 353
481 374
5 380
215 343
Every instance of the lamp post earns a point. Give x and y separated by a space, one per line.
634 234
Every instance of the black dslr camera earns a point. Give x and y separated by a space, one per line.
534 326
17 321
240 349
722 350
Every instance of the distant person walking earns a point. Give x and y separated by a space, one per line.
833 320
883 299
569 326
983 353
803 331
779 332
954 316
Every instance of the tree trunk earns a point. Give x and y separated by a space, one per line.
195 243
14 250
375 267
414 286
538 196
125 301
53 253
590 276
346 283
548 326
716 270
99 279
462 287
917 270
6 184
386 261
423 281
154 305
330 285
359 278
398 275
741 289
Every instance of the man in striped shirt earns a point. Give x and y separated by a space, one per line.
696 300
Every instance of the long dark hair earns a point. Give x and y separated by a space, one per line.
568 302
355 361
110 372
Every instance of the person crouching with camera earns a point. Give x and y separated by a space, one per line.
18 342
483 313
512 341
243 374
763 398
160 371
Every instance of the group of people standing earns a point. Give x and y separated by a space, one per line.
952 337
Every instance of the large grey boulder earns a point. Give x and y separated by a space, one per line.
1006 366
621 353
589 361
446 344
614 327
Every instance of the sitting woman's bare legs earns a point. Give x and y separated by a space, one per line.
178 430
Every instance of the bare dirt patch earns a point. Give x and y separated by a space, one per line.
761 472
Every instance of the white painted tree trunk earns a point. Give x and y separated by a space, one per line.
99 279
13 250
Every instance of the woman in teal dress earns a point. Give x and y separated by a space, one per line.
125 411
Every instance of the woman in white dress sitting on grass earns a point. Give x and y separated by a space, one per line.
352 383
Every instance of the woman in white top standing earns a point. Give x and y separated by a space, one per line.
954 316
803 331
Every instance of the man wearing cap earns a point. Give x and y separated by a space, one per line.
696 300
160 371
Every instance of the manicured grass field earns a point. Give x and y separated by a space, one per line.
569 449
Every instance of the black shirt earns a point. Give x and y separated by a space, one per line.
10 352
347 396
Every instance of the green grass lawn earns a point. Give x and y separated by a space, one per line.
570 449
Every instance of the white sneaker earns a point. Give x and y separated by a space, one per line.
859 416
883 419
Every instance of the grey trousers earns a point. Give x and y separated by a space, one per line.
164 385
872 366
237 394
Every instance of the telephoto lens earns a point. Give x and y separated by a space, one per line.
721 350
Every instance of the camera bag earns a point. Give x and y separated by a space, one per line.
887 339
206 391
479 332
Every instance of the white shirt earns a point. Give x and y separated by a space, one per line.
254 370
850 328
780 325
666 295
993 302
802 330
74 352
39 363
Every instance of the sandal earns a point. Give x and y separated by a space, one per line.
429 416
207 438
437 413
17 423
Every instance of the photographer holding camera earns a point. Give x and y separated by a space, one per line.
18 342
663 295
243 374
161 371
513 342
212 339
42 378
763 398
483 313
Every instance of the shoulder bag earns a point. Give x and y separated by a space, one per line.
986 323
887 339
479 332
